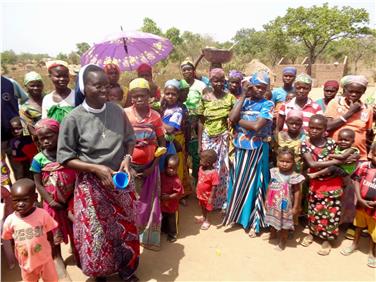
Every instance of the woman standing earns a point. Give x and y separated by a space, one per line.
96 139
249 178
148 128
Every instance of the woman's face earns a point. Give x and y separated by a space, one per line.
234 85
288 78
96 89
302 90
140 97
171 95
330 92
258 91
218 83
353 92
35 88
60 77
188 72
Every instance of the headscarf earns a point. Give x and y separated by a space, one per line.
295 113
173 83
289 70
304 78
32 76
111 67
187 61
235 74
55 63
218 72
144 68
359 79
139 83
48 123
81 73
183 84
260 77
332 83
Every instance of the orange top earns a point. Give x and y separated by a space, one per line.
360 122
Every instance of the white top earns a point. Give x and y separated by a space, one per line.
198 85
48 102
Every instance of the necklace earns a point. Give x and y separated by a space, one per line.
104 126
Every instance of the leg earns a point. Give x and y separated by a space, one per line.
354 246
172 228
49 273
318 173
59 262
31 276
271 235
164 223
325 248
206 223
283 239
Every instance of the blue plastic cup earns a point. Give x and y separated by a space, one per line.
120 179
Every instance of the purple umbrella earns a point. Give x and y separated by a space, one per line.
128 50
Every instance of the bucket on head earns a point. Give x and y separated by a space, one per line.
120 179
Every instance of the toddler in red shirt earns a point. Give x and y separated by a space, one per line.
208 179
171 191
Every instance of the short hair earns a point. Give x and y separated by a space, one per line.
285 150
347 130
89 69
320 118
171 157
15 119
210 154
207 90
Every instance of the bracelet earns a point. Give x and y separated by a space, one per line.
343 119
128 156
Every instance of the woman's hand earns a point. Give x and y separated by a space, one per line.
104 174
352 158
56 205
355 107
126 165
366 204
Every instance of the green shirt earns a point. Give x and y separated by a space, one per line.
348 168
215 112
39 161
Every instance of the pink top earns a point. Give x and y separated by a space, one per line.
30 236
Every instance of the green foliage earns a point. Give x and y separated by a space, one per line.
151 27
8 57
62 56
74 58
82 48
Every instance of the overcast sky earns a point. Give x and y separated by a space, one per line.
56 26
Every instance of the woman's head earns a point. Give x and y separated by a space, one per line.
317 126
235 82
217 79
188 70
288 76
208 159
139 90
294 122
23 196
260 82
285 159
330 89
93 82
34 84
171 92
112 72
354 86
145 71
303 85
171 165
47 132
59 74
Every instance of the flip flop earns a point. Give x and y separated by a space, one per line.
324 252
205 225
350 233
371 262
307 240
252 233
347 251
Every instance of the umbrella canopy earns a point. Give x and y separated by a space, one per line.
128 50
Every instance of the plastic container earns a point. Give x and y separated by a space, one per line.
121 180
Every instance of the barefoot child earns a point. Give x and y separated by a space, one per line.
365 217
282 199
171 191
30 227
208 180
55 184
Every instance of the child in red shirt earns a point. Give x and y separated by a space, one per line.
208 179
171 191
30 227
365 216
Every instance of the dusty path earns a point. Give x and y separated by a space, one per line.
229 254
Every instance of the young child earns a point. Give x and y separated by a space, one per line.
115 94
282 198
171 191
23 150
208 180
365 217
290 96
55 184
61 101
235 83
30 227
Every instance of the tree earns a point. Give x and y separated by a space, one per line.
173 34
317 26
62 57
151 27
8 57
74 58
82 47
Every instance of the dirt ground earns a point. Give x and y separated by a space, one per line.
228 254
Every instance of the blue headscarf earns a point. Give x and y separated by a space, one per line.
260 77
173 82
290 70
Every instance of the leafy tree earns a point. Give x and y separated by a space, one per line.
317 26
173 34
82 47
151 27
74 58
62 56
8 57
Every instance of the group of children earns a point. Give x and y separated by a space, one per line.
299 139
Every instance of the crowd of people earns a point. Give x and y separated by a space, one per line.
268 159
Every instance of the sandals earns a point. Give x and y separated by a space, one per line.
307 240
371 262
205 225
350 233
325 249
347 251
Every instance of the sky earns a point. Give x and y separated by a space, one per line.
56 26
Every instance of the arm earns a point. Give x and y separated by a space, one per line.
210 200
361 201
168 128
280 122
342 157
334 124
44 194
318 165
296 207
199 133
50 238
234 116
253 125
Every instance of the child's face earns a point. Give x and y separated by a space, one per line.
23 200
115 94
205 162
218 83
316 128
35 88
290 96
60 77
113 75
302 90
171 95
285 162
172 167
47 139
294 125
16 128
345 140
233 85
330 92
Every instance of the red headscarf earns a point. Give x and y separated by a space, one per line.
332 83
144 68
48 123
111 67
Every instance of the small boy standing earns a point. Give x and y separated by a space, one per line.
171 191
30 227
